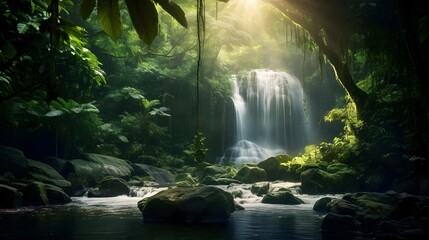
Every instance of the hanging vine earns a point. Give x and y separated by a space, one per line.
201 35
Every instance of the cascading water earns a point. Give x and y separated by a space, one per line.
270 117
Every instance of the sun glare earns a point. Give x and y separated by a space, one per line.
248 7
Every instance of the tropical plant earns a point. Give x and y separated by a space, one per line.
197 150
77 124
143 14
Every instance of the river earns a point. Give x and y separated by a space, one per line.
119 218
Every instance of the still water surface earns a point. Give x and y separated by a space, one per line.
119 218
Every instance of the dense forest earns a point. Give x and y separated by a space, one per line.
150 82
76 80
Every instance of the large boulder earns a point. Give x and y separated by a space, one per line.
215 171
56 163
338 226
110 187
38 171
338 178
161 176
277 170
321 205
87 172
260 188
377 215
13 161
251 174
56 195
199 204
41 194
209 180
185 179
34 194
281 197
111 166
10 197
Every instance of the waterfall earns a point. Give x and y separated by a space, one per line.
270 117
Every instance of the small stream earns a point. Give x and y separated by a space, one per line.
119 218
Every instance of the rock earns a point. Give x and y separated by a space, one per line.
214 171
322 204
209 180
374 203
34 194
160 175
56 163
199 204
276 171
343 207
10 197
12 160
338 226
281 197
260 188
337 179
84 174
184 177
111 166
369 222
42 172
110 187
384 215
250 174
238 207
56 195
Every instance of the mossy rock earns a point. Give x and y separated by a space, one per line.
34 194
340 179
111 166
275 169
56 195
213 171
251 174
84 174
260 188
282 197
185 177
10 197
199 204
56 163
12 160
42 172
110 187
161 176
322 204
209 180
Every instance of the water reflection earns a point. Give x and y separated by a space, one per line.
119 218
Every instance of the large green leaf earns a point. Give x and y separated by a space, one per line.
144 17
109 17
54 113
86 8
174 10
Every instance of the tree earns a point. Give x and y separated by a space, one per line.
393 36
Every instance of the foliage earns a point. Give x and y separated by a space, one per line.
78 124
143 14
197 150
36 53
